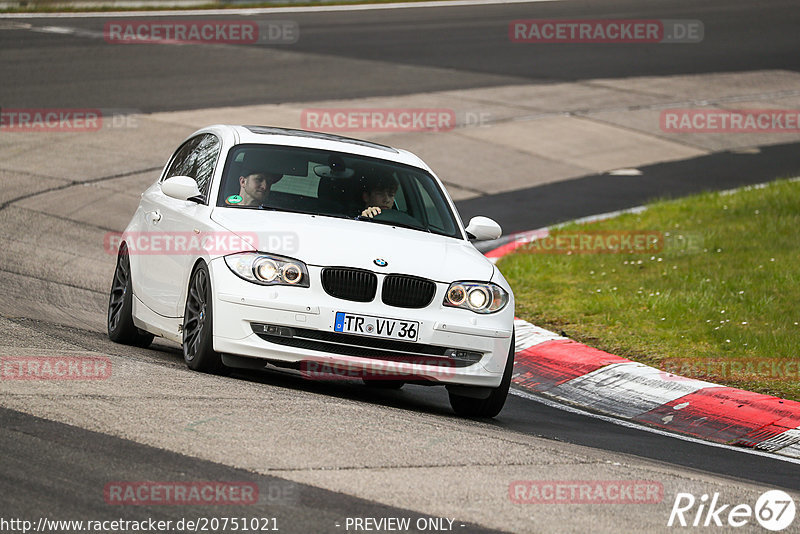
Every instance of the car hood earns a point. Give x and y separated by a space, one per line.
327 241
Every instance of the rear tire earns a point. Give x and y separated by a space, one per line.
490 406
198 345
120 306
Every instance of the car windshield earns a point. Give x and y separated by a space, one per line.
335 184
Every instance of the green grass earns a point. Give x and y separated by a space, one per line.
732 294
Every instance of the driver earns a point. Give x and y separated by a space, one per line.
378 194
254 188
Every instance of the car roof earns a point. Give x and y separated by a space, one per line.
325 141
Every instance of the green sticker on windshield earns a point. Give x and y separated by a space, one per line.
233 199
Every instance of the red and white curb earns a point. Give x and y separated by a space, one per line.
572 373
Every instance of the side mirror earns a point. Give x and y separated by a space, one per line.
484 228
181 187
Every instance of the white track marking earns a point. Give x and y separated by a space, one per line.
269 10
787 443
529 335
626 389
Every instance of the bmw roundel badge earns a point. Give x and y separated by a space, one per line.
380 262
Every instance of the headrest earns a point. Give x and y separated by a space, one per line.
335 168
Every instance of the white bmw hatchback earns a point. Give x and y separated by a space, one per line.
265 247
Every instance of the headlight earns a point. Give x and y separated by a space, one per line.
268 269
265 269
476 296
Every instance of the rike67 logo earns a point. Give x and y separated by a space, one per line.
774 510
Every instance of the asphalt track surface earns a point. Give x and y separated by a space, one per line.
85 461
386 52
603 193
518 415
356 54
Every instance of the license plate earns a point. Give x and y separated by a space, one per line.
367 325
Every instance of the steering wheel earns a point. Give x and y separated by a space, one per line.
396 216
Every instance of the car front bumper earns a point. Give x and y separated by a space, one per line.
295 325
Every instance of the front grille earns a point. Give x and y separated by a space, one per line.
372 342
366 347
362 352
407 291
349 284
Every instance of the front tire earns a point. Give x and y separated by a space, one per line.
198 345
120 306
490 406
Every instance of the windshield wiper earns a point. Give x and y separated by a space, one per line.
273 208
391 223
288 210
334 215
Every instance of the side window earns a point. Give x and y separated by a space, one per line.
206 153
433 205
181 161
196 159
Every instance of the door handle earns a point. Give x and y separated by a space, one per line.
154 216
